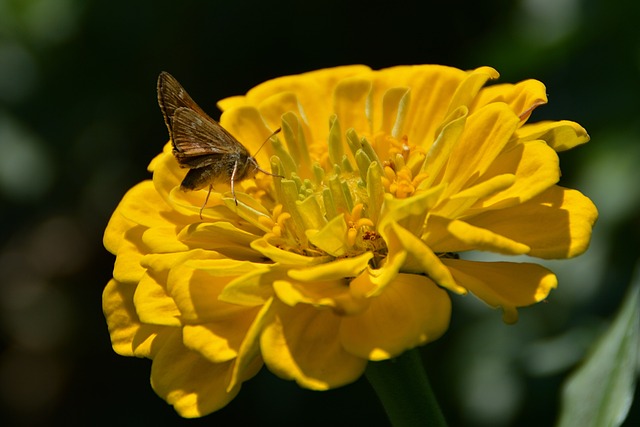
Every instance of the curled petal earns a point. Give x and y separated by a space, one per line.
472 155
535 168
286 257
192 384
331 237
308 88
273 108
412 311
219 341
334 294
350 103
127 267
254 287
222 237
153 305
470 86
116 228
339 269
431 88
249 359
314 85
163 240
561 135
522 97
302 343
504 284
555 224
129 337
423 259
195 292
447 235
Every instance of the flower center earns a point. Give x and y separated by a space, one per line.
330 201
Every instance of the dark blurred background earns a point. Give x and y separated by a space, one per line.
79 123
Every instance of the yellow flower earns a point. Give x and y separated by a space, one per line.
350 256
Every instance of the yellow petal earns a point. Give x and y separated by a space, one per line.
485 135
470 86
446 235
188 381
188 203
157 159
373 281
196 292
410 312
350 101
536 168
395 104
334 270
153 305
163 240
522 97
231 102
504 284
410 212
334 294
167 175
250 210
143 205
165 262
285 257
253 288
114 232
423 260
561 135
129 337
308 89
274 107
439 152
431 88
222 237
127 267
317 84
332 237
459 204
249 359
219 341
555 224
302 344
248 127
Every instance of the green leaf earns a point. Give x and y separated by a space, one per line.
601 391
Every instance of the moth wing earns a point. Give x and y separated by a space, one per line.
197 136
171 96
199 162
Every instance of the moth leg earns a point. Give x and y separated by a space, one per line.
206 200
233 180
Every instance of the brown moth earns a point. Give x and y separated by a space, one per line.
211 153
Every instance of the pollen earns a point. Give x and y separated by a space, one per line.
279 220
356 223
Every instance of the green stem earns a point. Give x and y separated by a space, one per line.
403 387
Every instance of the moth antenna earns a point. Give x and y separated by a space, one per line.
268 173
275 132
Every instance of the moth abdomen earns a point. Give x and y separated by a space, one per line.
198 178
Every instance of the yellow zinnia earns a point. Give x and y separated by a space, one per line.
346 256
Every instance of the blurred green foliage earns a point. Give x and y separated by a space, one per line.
79 124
